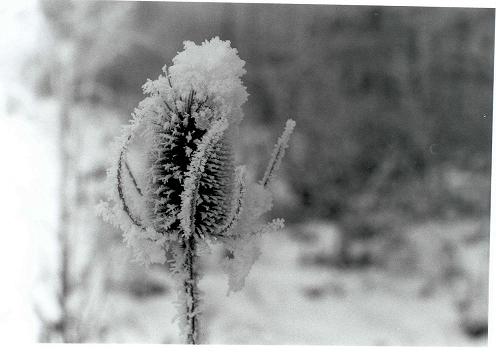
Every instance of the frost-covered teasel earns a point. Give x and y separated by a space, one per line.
188 193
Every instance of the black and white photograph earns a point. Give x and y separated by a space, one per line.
227 173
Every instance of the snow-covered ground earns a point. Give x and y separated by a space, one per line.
287 302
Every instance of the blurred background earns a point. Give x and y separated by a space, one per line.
385 187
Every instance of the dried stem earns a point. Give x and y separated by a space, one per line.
191 290
133 179
120 190
278 153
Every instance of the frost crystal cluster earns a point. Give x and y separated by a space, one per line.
190 194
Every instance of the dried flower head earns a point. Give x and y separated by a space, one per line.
191 193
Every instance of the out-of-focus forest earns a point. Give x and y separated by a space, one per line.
388 170
387 99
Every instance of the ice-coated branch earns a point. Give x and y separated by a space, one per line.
133 179
191 291
278 153
120 191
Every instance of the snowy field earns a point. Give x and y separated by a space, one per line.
287 302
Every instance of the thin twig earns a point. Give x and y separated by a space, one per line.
125 207
191 290
278 153
133 179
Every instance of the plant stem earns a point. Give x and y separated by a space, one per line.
191 291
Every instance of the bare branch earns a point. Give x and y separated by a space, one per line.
133 179
120 190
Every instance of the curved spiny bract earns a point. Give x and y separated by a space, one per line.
205 182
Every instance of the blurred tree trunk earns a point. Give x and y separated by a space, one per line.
66 94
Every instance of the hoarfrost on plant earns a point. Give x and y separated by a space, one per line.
191 195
